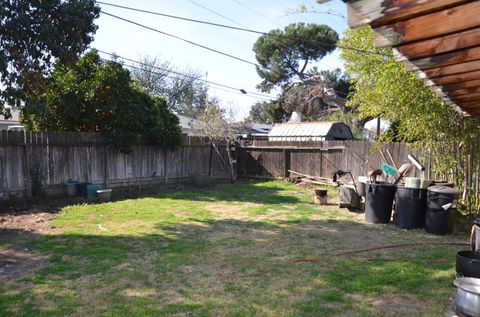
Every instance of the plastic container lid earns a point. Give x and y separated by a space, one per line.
444 190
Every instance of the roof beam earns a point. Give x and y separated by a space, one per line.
464 91
381 12
467 55
454 78
444 22
440 45
460 85
459 68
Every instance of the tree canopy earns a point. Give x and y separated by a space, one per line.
283 55
99 96
184 93
33 34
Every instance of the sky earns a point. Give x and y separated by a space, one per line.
131 41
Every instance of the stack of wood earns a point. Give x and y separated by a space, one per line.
297 177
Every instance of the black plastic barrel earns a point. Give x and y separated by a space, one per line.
439 221
439 196
410 208
378 202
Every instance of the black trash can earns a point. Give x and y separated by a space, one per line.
440 196
439 221
441 208
378 202
410 208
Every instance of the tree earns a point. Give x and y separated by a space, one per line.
283 56
184 93
217 129
97 96
266 112
383 87
32 35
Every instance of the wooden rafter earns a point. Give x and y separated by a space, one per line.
437 39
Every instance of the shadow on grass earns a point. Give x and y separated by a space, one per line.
209 268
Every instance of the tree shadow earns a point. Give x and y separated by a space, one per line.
178 269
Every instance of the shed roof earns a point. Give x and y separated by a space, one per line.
302 129
438 39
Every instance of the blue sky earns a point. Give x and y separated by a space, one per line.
134 42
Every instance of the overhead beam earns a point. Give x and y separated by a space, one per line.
452 69
454 78
460 85
440 45
439 23
464 91
381 12
467 55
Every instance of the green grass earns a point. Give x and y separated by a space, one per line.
225 251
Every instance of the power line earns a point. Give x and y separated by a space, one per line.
214 12
256 12
181 18
180 38
220 25
179 74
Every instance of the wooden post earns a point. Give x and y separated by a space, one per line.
28 181
286 161
210 162
165 165
106 183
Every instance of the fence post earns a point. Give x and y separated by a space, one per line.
165 165
106 183
28 181
210 162
286 163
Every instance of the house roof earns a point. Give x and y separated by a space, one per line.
437 39
303 129
190 126
251 128
13 120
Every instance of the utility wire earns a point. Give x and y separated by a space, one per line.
179 73
226 26
256 12
180 38
181 18
214 12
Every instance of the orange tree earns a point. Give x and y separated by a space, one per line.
100 96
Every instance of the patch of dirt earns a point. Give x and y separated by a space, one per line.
408 306
15 264
36 222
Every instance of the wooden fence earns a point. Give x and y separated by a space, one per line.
54 157
274 159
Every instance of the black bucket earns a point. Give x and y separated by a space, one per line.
378 202
439 221
82 189
468 264
410 208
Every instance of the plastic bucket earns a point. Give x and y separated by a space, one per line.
410 208
439 221
92 191
412 182
71 188
378 202
82 189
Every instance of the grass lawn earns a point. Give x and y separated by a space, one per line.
249 249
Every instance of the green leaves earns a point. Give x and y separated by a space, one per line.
97 96
33 34
283 55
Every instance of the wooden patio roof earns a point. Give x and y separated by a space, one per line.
438 39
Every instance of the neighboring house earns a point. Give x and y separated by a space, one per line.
310 131
190 126
11 124
251 130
